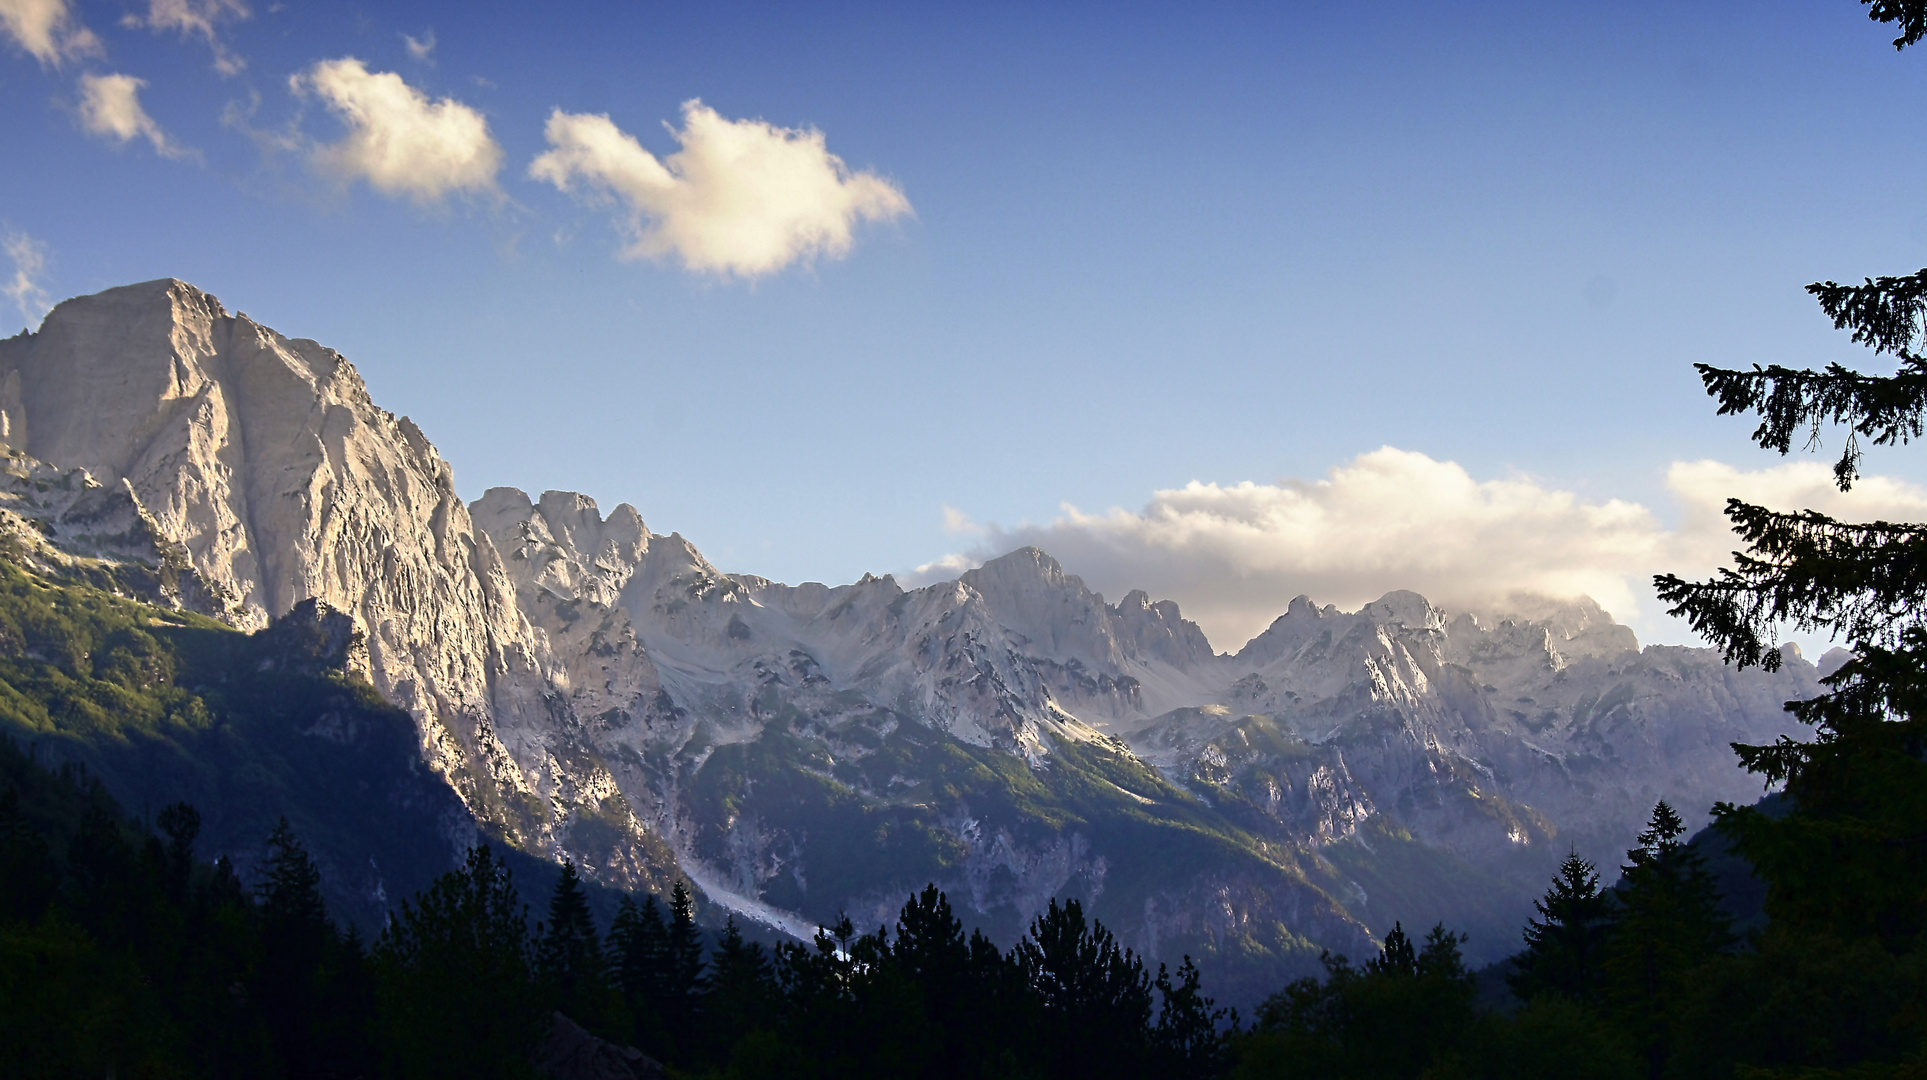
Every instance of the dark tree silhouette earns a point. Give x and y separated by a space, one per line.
1850 856
568 954
1565 945
459 998
1094 995
1670 924
742 994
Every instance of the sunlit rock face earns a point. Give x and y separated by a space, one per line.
602 692
1477 732
261 461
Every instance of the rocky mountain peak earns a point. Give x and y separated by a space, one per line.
1405 610
598 691
261 463
562 545
1575 626
1159 631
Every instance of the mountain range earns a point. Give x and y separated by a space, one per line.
590 689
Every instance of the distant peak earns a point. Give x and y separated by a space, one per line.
1029 554
169 286
171 294
1026 564
572 503
1403 607
496 495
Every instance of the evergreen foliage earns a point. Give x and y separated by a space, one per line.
457 959
1407 1009
568 955
639 963
1093 994
1565 946
1669 924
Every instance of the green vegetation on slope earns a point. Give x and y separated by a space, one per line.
919 806
165 707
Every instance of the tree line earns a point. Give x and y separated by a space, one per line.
120 954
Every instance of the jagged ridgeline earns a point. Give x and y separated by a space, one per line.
591 689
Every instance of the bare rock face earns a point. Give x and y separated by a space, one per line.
260 464
1497 739
600 691
570 1052
263 460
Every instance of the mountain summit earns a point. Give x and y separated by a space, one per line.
595 690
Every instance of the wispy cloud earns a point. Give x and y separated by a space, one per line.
741 197
197 18
398 140
1233 556
47 30
421 48
958 523
29 258
110 107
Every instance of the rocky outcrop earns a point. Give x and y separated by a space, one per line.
260 464
570 1052
594 689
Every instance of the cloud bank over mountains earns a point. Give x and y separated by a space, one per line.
1233 556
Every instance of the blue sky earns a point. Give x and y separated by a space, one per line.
1146 246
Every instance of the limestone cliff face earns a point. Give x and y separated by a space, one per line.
1498 738
603 692
261 463
1479 733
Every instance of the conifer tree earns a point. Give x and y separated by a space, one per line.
742 994
639 950
685 959
1565 945
1192 1038
639 961
1847 858
1396 956
963 985
297 940
290 893
1670 923
568 954
458 995
1094 994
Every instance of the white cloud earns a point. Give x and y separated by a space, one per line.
740 197
110 106
47 30
398 140
29 257
1234 556
956 521
197 18
1705 537
421 48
